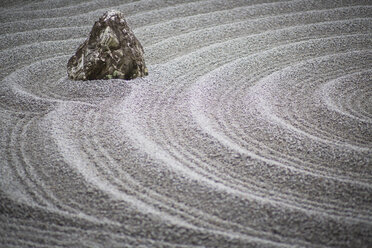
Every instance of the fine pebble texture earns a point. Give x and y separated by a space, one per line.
252 129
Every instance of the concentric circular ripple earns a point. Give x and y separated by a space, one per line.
253 128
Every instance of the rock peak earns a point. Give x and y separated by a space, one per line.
111 51
112 14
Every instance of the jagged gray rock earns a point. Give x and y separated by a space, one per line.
111 51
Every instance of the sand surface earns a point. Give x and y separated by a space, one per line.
253 128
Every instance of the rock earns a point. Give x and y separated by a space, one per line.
111 51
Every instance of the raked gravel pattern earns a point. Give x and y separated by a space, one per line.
253 128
